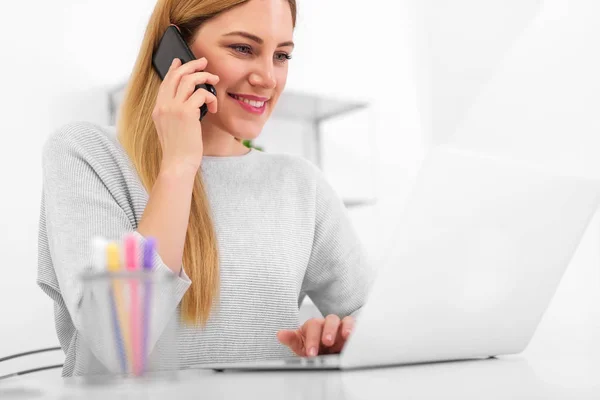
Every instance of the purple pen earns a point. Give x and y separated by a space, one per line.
149 249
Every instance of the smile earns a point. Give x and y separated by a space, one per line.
253 105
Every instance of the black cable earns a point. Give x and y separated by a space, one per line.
29 352
29 371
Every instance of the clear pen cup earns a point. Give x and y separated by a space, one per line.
129 324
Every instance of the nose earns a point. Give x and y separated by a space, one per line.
263 76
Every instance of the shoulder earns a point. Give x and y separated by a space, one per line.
302 174
289 166
304 169
85 140
81 152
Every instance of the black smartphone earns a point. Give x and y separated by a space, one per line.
171 46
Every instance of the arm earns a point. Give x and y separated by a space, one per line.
338 275
77 206
337 278
167 213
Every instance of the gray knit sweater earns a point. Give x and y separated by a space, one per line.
283 233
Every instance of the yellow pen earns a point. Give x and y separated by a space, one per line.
114 265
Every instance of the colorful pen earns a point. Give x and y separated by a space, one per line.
149 249
114 265
100 264
131 263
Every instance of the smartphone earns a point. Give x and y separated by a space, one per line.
171 46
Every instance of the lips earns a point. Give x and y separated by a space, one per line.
254 101
252 104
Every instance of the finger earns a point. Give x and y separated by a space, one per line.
330 329
174 75
292 339
188 83
347 326
340 341
203 96
312 335
163 88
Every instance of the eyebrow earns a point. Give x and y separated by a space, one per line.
256 38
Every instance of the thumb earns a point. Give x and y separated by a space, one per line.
292 339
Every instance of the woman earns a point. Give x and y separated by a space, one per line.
249 233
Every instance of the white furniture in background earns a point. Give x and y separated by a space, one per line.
336 135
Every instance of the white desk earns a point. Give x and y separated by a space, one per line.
561 362
531 375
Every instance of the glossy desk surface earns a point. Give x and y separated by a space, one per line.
557 367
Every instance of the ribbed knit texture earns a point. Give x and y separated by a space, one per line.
283 233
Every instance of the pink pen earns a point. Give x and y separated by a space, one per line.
132 265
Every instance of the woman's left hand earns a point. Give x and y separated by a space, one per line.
318 336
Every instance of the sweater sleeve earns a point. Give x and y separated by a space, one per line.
77 206
338 275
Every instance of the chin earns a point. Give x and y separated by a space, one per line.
246 130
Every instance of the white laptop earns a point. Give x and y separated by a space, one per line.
472 267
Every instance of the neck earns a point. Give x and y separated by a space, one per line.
219 143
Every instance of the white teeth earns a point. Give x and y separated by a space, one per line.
253 103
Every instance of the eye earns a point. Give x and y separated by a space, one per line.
242 48
283 57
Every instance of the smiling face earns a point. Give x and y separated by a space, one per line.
248 47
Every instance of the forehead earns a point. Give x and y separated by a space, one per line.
268 19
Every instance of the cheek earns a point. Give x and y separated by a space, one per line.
230 74
281 78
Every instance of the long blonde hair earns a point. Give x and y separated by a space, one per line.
137 134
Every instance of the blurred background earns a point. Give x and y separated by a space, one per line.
372 86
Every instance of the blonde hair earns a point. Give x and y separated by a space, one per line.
137 134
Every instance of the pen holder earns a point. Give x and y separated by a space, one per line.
129 323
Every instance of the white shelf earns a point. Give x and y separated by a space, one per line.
292 105
357 202
302 106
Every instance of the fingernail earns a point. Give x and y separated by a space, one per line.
312 351
328 338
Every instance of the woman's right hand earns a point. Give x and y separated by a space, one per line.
176 113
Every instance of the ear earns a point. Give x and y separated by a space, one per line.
175 27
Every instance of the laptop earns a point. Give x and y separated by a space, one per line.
474 261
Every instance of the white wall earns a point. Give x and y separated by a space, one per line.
71 51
